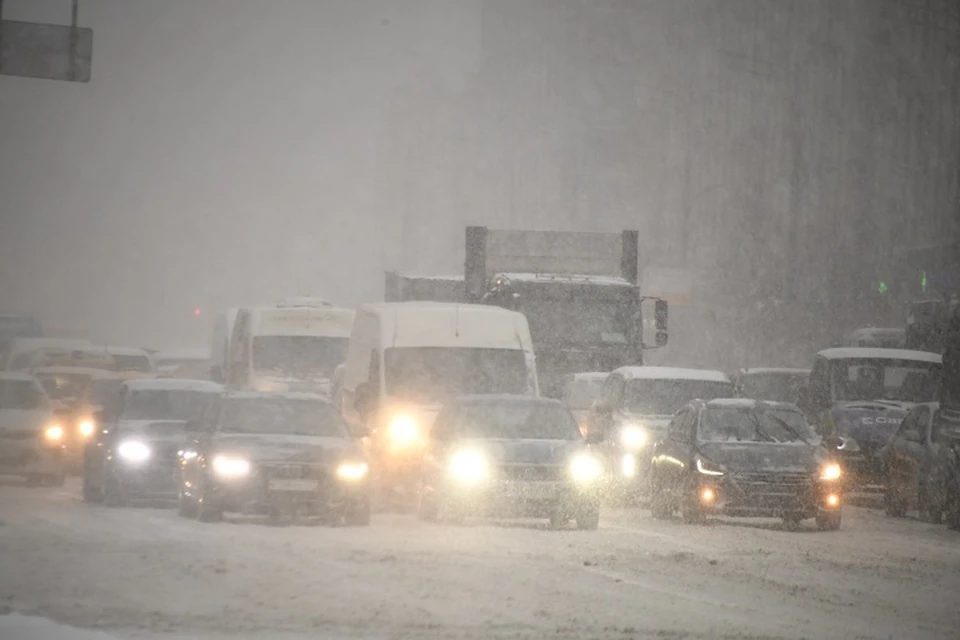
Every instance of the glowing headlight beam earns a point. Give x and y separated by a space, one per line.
353 471
633 437
86 428
469 467
230 466
53 433
586 468
403 430
133 451
831 471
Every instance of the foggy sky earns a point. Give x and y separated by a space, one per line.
222 154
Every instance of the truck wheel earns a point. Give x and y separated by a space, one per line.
91 494
588 517
829 520
358 515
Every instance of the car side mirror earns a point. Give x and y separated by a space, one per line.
594 437
833 442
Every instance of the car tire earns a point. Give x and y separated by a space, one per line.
358 515
791 523
932 513
55 479
559 518
34 479
112 494
895 505
588 517
660 507
91 494
829 520
186 507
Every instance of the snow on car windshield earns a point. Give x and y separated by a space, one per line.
299 355
165 404
64 386
775 387
21 395
430 374
282 416
747 425
666 397
857 379
516 420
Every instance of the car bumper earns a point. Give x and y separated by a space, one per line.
260 495
20 457
729 498
519 499
149 482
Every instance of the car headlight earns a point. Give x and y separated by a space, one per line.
586 468
187 454
831 471
133 451
403 431
86 428
53 433
633 437
353 471
469 467
230 466
708 468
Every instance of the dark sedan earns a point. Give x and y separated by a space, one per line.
745 458
510 456
276 454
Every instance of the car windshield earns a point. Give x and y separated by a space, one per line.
516 420
21 395
581 394
101 392
666 397
64 386
282 416
299 355
139 363
857 379
432 374
772 386
743 424
165 404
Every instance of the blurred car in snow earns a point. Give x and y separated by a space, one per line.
274 453
510 456
580 392
134 453
773 384
31 432
635 406
184 363
744 458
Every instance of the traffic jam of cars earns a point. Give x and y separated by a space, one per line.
432 407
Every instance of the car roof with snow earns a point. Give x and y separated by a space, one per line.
113 350
67 370
449 324
748 403
506 398
671 373
172 384
184 353
763 370
565 278
273 395
16 375
852 353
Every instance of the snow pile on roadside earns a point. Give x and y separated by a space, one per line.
18 627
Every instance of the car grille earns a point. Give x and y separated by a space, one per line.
167 453
532 473
772 485
293 471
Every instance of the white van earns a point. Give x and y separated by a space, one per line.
288 348
20 353
219 352
407 358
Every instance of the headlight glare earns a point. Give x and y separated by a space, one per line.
53 433
353 471
586 468
86 428
469 467
403 430
133 451
633 437
230 466
831 471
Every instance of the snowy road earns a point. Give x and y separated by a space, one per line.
145 573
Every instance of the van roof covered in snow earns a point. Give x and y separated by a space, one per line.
449 324
671 373
852 353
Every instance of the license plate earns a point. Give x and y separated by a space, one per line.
531 490
292 484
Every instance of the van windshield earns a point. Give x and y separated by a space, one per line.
433 374
858 379
299 356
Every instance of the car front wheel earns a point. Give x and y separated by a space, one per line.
829 520
588 517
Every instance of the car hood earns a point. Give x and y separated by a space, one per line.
156 431
319 385
747 457
284 448
871 424
654 422
12 421
510 451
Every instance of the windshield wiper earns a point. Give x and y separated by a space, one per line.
783 423
758 427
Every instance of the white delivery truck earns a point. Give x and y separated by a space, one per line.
406 359
220 350
288 348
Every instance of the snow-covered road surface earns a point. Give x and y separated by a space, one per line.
145 573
